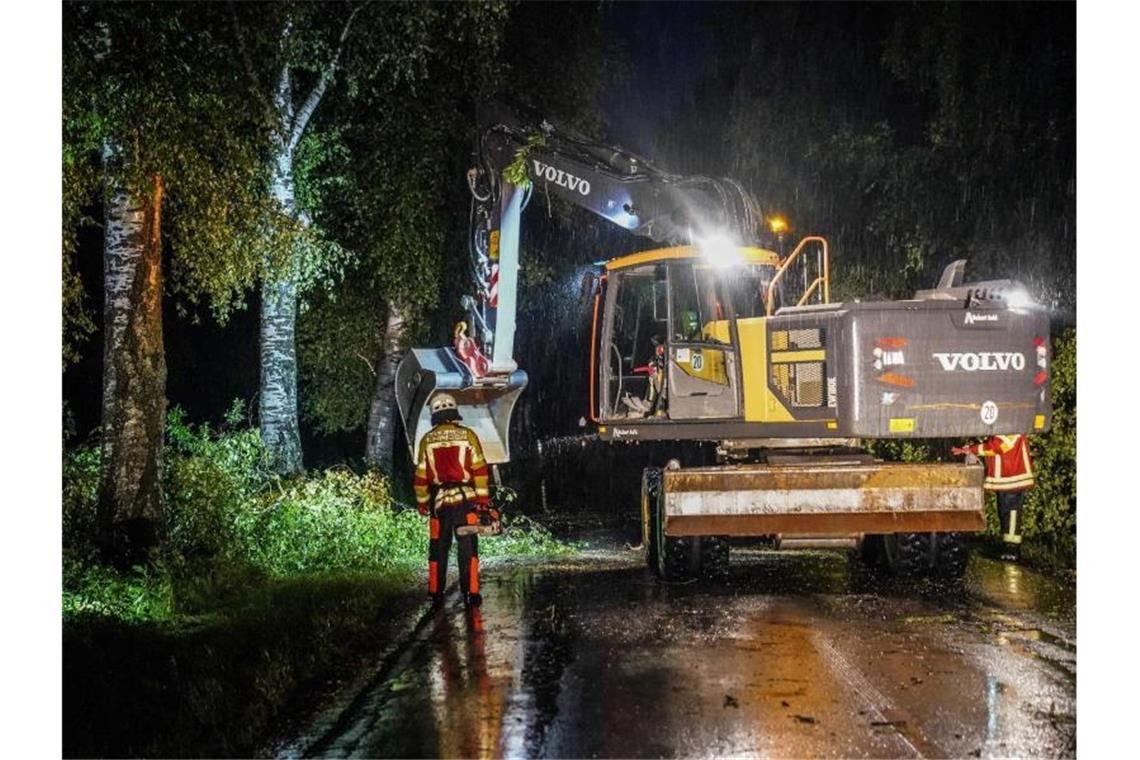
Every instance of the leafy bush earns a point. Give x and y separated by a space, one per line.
208 480
1051 505
143 595
80 498
229 519
521 536
330 521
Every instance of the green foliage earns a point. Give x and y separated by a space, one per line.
903 450
153 86
1051 505
516 172
335 520
228 516
340 340
80 498
209 479
142 595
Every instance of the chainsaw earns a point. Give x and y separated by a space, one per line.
489 525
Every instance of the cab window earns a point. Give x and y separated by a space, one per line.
699 312
748 288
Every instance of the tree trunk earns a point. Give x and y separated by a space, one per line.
134 374
278 399
382 415
280 427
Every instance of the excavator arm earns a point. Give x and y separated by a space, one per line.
613 183
515 156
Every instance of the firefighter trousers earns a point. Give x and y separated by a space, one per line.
1009 514
442 527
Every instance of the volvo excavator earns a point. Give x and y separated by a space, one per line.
708 335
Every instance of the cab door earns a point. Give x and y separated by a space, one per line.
701 367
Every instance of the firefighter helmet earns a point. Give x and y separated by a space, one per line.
443 402
444 409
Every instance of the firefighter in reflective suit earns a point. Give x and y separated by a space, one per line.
1009 472
451 485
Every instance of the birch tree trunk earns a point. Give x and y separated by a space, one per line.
134 374
277 412
277 401
382 414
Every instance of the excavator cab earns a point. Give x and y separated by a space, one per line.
666 343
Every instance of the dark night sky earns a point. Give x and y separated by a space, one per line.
666 44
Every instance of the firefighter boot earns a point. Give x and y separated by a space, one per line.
1009 514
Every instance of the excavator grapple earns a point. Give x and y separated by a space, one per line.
485 404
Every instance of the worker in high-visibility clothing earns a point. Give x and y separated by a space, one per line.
452 490
1009 472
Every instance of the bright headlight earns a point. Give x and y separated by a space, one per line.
1020 299
719 250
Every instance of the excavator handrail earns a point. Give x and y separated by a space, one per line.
825 276
594 356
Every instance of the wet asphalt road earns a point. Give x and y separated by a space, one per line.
796 655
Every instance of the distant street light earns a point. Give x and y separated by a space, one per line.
779 227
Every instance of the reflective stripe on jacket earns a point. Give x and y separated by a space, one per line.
1008 464
451 462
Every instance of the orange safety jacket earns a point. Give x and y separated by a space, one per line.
1008 464
451 461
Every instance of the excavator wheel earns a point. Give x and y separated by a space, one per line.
674 559
916 555
682 558
650 492
714 557
951 555
907 554
870 552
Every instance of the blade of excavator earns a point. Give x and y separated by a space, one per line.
485 404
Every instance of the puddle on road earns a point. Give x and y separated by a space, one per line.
1012 586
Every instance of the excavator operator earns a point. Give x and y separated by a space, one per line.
452 490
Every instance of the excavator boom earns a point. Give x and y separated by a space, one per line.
479 368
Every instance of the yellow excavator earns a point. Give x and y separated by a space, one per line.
712 337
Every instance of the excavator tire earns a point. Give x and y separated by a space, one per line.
650 493
951 555
675 559
682 559
714 557
870 552
907 554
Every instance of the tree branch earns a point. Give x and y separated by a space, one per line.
283 98
314 99
362 358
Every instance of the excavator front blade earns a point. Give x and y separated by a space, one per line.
485 404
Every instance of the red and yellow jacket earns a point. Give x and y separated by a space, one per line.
451 461
1008 464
